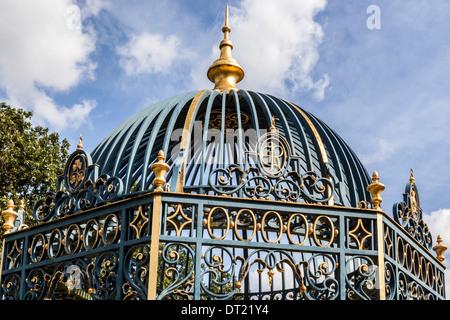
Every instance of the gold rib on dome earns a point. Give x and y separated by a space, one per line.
225 72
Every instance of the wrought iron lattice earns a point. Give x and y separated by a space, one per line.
262 228
211 247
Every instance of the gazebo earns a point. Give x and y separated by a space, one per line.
218 194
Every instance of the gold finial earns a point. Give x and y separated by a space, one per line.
375 189
411 177
225 72
80 142
272 125
160 169
10 216
440 249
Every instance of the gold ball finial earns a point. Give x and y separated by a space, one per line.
225 72
375 189
440 249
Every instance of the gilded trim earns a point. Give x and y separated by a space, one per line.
185 137
381 268
323 152
154 247
1 260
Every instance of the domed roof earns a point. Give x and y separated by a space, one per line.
234 142
207 130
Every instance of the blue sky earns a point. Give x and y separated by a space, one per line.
86 66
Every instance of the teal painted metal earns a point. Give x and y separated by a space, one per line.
294 253
237 231
129 150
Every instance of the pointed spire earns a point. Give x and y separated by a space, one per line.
411 176
225 72
80 142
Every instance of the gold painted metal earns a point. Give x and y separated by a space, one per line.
160 169
76 172
381 268
388 242
333 230
253 217
185 138
273 153
362 205
415 206
308 228
440 249
173 219
320 143
263 223
140 222
92 228
323 152
1 260
360 234
209 218
9 215
375 189
14 254
80 142
154 247
231 120
225 72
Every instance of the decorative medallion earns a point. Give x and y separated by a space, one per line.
271 174
231 120
75 172
84 189
409 214
273 153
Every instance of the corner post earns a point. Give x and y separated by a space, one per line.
375 189
154 246
160 169
380 258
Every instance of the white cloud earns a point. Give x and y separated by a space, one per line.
276 43
149 53
383 151
45 49
439 224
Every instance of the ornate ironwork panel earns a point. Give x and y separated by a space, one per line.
217 247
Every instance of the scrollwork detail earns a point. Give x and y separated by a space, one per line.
180 272
60 204
409 214
361 278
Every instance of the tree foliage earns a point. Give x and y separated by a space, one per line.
31 158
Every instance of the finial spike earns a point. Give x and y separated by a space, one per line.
225 72
272 125
411 177
226 17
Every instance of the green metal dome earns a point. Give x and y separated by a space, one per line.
209 137
258 208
